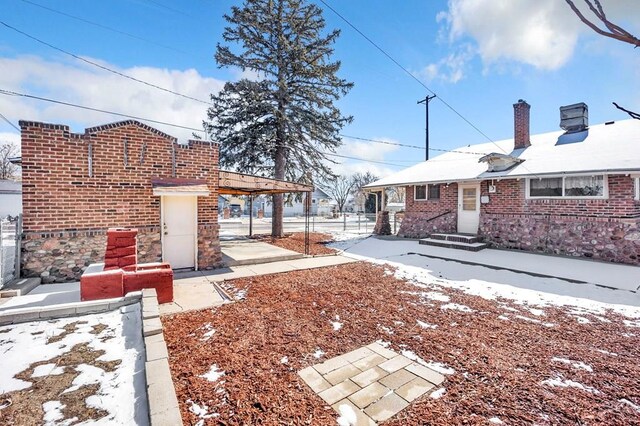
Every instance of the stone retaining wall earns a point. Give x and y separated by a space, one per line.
418 225
610 239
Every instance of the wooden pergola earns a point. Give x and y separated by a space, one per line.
234 183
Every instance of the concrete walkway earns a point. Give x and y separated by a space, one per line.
237 252
198 289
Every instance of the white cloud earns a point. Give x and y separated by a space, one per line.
367 151
79 83
451 68
541 33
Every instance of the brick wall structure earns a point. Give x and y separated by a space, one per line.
75 186
605 229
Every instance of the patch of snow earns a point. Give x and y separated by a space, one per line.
52 412
435 295
336 325
383 343
202 411
496 421
210 332
318 353
386 329
537 321
438 394
122 392
457 307
536 312
47 370
426 325
602 351
562 383
213 374
582 320
630 404
284 360
576 364
631 323
503 317
439 367
348 417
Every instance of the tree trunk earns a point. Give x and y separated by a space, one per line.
277 229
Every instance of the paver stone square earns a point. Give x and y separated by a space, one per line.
330 365
364 397
341 374
397 379
369 376
381 350
361 418
426 373
354 356
369 361
386 408
314 379
414 389
395 364
339 391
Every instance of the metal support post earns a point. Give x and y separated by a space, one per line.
250 215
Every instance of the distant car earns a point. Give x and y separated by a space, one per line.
235 210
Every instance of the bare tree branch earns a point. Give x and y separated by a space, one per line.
7 169
631 113
339 190
614 31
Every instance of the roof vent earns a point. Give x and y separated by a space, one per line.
574 118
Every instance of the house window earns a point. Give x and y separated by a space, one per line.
567 187
434 192
427 192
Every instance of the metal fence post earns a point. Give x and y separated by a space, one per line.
18 242
344 221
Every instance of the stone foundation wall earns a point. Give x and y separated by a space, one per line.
610 239
209 254
418 225
63 256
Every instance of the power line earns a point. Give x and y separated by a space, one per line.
362 159
105 27
9 122
409 73
95 64
24 95
410 146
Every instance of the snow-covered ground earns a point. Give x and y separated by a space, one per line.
118 334
491 282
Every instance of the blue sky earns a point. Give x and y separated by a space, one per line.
480 56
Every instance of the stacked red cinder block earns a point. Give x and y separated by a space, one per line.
122 273
121 248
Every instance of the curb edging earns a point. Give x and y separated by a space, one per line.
161 394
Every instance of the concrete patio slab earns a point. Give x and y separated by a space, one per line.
251 252
190 294
374 393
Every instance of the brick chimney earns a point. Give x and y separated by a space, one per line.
521 124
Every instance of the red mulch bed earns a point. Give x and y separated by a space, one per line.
499 364
295 242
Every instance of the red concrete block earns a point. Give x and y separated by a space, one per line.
153 265
102 285
127 260
115 242
126 251
122 232
110 262
160 279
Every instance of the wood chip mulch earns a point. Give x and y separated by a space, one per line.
295 242
502 353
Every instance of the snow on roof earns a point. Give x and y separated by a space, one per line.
613 147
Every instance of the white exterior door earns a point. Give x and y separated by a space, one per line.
179 220
468 208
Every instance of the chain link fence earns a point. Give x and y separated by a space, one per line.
10 232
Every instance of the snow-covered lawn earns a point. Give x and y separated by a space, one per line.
71 370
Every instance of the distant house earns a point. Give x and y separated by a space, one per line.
573 192
10 198
321 205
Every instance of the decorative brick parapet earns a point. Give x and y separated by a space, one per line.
610 239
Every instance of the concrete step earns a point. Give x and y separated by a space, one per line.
228 261
19 287
475 246
460 238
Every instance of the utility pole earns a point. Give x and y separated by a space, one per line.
425 101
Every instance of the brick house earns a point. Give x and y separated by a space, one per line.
124 174
573 192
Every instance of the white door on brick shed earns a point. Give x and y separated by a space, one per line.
179 220
468 208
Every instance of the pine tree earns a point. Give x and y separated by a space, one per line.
281 125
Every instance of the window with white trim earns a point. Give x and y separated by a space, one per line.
567 187
636 181
426 192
